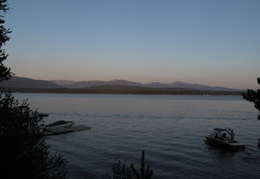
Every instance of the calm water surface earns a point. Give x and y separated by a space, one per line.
170 128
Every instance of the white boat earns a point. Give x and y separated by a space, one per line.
224 138
59 124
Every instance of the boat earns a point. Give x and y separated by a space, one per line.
59 124
66 130
224 138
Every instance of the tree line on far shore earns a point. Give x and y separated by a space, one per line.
117 89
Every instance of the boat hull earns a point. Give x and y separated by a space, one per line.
66 130
222 144
59 125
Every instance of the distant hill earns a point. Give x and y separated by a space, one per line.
178 84
20 82
62 82
87 84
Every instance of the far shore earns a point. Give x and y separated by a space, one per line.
127 90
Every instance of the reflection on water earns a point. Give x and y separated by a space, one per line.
170 128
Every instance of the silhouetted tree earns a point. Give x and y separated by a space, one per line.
144 173
122 171
253 96
5 72
23 151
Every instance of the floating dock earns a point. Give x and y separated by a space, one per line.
66 130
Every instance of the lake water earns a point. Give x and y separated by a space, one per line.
170 129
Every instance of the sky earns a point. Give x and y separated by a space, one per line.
210 42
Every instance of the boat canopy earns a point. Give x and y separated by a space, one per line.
222 129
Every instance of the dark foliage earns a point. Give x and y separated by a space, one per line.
5 72
24 153
144 173
122 171
253 96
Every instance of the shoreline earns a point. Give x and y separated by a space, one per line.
125 90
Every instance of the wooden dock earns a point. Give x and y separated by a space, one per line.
67 130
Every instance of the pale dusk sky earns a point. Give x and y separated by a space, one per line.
210 42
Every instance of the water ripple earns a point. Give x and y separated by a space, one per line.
171 130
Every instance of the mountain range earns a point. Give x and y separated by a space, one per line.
21 82
178 84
